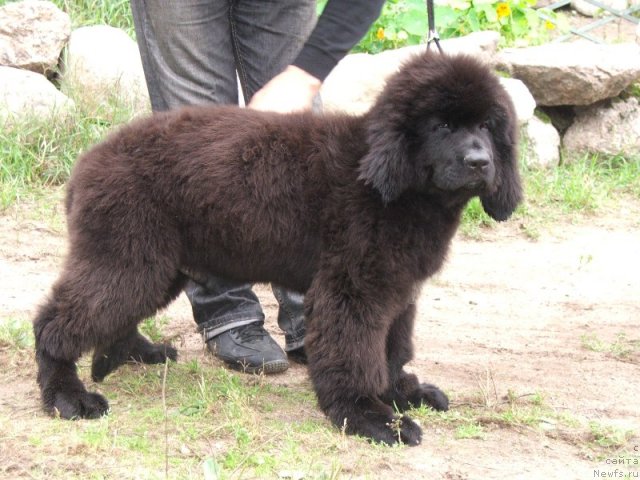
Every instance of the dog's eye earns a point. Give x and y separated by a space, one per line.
442 126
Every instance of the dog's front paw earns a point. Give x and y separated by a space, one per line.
76 404
403 430
375 420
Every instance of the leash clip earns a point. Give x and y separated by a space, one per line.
432 36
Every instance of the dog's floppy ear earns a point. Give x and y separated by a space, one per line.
386 165
501 203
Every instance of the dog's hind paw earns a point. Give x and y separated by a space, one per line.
154 353
430 395
77 404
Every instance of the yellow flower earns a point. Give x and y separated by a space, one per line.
503 10
549 25
380 34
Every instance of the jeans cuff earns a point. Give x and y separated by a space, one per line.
214 328
293 342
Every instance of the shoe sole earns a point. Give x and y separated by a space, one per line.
276 366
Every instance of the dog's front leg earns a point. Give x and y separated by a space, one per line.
346 348
405 390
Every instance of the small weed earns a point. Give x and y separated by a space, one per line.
152 327
470 431
622 348
474 219
16 334
609 437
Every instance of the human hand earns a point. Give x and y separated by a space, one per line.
290 91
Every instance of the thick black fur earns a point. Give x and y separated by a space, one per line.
354 211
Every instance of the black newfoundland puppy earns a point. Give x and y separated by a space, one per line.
363 207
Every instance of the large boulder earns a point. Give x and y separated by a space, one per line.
577 73
25 95
610 128
358 79
32 35
103 68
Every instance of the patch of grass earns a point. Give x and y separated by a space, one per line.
470 431
152 327
474 219
473 416
38 153
584 186
609 437
16 334
116 13
216 421
622 347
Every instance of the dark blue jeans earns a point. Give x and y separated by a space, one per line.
222 52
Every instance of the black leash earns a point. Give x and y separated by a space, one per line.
433 34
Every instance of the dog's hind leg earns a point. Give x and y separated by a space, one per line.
134 347
98 300
62 391
405 390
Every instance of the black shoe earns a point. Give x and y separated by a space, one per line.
250 349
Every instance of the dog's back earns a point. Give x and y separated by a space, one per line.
224 179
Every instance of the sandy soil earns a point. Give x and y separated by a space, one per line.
507 307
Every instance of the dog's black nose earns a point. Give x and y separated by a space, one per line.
478 160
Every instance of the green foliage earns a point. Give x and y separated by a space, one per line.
405 22
40 152
609 437
401 23
517 21
116 13
15 333
470 431
152 327
622 348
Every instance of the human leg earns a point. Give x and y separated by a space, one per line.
291 321
188 58
266 38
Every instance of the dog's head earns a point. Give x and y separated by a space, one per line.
444 124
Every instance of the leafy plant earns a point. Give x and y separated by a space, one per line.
405 22
517 21
401 23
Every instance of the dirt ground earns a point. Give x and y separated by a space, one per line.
505 306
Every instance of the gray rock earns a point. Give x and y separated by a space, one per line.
102 69
610 128
521 97
541 144
356 81
32 35
577 73
25 95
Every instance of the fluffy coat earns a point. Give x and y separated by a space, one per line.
354 211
